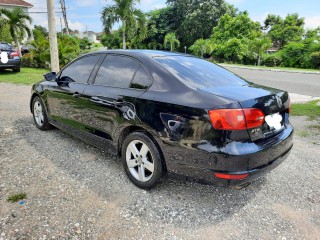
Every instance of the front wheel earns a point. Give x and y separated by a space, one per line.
142 160
40 116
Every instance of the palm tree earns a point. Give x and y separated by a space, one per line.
172 40
124 11
258 46
202 46
16 20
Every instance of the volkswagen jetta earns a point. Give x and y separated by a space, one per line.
168 112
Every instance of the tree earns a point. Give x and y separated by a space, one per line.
202 46
172 40
16 20
258 46
195 19
5 32
40 30
160 22
232 36
124 11
84 44
283 31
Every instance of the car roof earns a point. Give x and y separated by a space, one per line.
142 53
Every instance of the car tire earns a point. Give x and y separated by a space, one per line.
39 113
16 69
142 160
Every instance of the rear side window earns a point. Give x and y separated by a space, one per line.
198 73
116 71
80 70
141 80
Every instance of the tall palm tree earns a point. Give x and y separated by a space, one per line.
172 40
16 20
124 11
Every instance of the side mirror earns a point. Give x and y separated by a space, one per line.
51 76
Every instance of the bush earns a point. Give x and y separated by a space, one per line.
315 59
273 60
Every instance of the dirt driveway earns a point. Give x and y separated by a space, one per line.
75 191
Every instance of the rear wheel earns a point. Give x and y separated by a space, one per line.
142 160
40 115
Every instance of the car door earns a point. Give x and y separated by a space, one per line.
64 97
111 98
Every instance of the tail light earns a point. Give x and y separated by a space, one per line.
236 119
14 54
231 176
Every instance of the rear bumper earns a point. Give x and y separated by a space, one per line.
12 63
260 158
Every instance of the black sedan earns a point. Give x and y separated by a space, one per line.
9 58
167 112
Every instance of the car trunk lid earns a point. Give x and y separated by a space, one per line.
274 104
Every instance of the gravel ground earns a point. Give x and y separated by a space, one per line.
75 191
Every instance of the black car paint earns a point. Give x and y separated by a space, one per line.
174 116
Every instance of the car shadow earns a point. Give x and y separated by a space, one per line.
176 201
7 72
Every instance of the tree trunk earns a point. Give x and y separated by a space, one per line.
171 45
18 47
124 34
259 60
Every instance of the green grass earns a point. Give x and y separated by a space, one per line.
309 109
17 197
27 76
271 68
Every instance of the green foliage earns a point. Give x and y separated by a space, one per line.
272 60
194 19
5 32
112 40
69 49
201 47
315 59
133 20
283 31
171 39
232 36
39 30
84 44
160 23
257 47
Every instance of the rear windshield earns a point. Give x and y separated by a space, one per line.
4 46
198 73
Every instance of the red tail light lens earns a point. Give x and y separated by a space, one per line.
231 176
14 54
236 119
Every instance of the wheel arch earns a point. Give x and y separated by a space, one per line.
156 140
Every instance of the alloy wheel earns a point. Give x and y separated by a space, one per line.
139 160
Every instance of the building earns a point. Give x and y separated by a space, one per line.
11 4
90 35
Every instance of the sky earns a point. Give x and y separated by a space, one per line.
85 14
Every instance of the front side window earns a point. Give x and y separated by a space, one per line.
80 70
116 71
